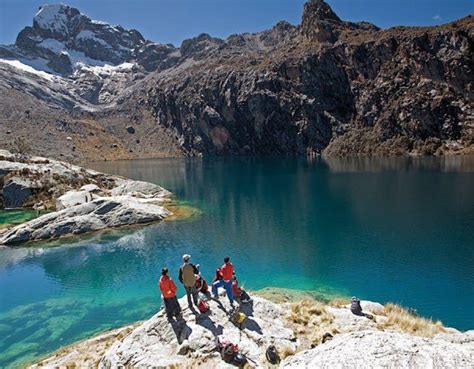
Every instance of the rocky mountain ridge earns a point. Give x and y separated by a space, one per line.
324 86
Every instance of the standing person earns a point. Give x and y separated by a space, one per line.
168 292
187 276
226 271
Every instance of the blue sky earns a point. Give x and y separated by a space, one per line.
171 21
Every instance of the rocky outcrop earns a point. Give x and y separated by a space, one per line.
85 217
16 192
81 200
376 349
326 86
358 341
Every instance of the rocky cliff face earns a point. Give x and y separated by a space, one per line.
325 86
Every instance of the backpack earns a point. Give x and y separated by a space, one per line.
272 355
228 351
239 360
238 318
203 306
189 280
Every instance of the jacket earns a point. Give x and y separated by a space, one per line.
227 271
167 287
236 290
187 274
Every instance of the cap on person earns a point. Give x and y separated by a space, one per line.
226 259
164 271
186 257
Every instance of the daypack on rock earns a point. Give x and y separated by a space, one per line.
189 280
355 306
237 317
239 359
272 355
203 306
227 349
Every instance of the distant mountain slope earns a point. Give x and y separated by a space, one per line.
83 90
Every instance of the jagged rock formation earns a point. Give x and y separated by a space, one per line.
81 200
325 86
190 342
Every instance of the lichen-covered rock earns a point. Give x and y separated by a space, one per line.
376 349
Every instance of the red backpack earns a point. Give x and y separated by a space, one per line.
203 306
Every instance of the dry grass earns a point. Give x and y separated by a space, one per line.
401 319
339 302
311 320
286 351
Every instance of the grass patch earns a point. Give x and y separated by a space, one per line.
401 319
311 320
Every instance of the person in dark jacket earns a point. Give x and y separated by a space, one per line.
168 292
187 276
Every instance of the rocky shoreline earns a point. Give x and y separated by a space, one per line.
74 200
382 336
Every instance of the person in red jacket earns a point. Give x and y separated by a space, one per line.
226 271
168 292
239 293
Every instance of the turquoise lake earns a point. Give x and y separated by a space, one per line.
399 230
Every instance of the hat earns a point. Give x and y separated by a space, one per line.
186 257
164 271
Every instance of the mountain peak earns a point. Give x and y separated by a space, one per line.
65 37
58 20
320 10
319 21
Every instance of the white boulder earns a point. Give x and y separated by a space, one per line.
73 198
378 349
92 216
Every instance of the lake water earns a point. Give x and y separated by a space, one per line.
397 230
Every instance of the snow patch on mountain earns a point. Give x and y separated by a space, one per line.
27 66
109 69
51 44
89 35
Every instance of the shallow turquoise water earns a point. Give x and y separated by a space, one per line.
383 229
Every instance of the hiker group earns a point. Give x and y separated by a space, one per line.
197 289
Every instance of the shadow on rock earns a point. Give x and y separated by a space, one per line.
205 321
252 325
181 330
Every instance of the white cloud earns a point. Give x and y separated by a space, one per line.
437 17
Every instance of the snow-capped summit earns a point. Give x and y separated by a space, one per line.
65 38
56 18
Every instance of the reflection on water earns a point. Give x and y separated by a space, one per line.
383 229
